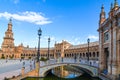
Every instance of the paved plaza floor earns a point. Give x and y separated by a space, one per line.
10 68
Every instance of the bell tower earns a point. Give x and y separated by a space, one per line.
8 41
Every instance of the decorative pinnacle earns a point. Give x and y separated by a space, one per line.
102 8
10 20
115 3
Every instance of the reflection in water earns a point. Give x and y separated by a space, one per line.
50 76
67 71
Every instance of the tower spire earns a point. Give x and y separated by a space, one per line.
111 6
111 11
102 15
10 21
102 8
116 3
10 25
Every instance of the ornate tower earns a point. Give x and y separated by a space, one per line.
116 6
111 11
109 44
8 42
102 15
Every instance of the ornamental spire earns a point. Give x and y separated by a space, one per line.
10 24
102 15
102 8
111 6
116 3
10 21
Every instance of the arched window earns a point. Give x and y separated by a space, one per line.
97 54
65 55
80 55
93 54
90 54
69 55
86 55
83 54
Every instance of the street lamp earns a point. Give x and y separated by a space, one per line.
48 47
38 52
88 40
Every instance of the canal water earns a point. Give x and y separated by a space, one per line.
65 73
50 76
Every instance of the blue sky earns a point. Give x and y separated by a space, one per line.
72 20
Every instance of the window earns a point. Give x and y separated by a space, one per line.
93 54
106 37
90 54
97 54
83 55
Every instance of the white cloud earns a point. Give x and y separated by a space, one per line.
93 37
73 40
78 40
31 17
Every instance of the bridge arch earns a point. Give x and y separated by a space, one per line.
93 71
45 69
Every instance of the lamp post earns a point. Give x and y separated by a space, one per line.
48 47
38 52
88 40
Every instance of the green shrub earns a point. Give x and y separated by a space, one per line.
43 59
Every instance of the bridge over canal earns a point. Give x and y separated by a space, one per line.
91 69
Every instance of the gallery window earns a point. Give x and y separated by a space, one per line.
106 36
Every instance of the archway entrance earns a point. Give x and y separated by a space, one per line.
106 54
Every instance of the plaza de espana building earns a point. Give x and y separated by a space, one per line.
106 50
63 49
